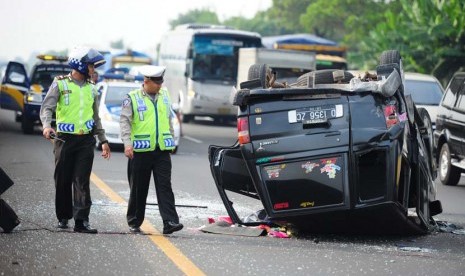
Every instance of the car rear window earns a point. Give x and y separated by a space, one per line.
116 94
424 92
44 74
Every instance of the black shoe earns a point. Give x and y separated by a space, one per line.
62 224
84 227
135 230
170 227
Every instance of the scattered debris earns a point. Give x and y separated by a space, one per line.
459 232
416 249
448 227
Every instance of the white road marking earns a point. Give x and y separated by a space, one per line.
192 139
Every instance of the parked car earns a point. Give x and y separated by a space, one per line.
449 136
24 93
112 90
426 93
331 153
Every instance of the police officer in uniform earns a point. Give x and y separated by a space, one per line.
147 134
74 99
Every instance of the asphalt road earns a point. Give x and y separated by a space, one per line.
36 248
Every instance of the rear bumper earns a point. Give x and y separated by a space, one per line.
112 132
366 193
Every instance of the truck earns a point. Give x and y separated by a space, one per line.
329 55
287 64
127 59
24 93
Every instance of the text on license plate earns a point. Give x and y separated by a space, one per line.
316 113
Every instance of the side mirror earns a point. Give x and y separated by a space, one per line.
188 70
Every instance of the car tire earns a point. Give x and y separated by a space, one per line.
27 125
321 77
390 56
448 174
18 117
428 139
326 76
187 118
261 72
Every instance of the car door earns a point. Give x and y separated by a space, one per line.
14 85
447 119
458 116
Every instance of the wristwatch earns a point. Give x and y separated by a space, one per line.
104 142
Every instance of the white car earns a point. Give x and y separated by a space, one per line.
426 92
112 93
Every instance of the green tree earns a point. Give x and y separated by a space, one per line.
261 23
287 13
201 16
345 21
430 35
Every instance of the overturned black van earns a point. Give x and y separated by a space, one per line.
331 153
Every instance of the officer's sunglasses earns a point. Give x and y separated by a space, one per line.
157 80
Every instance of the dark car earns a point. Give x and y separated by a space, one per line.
24 93
449 136
331 153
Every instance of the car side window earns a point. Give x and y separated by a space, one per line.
450 96
15 74
461 101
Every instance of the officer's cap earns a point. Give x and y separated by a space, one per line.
154 73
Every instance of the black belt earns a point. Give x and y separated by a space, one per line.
62 134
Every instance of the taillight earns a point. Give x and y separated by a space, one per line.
243 130
391 115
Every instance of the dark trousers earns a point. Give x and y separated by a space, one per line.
140 169
73 165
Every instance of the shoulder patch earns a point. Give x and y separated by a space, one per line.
62 77
126 102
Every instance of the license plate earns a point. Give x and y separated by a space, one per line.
315 114
223 110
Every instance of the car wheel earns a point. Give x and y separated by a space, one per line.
321 77
428 139
260 71
187 118
390 56
327 77
448 174
18 117
27 125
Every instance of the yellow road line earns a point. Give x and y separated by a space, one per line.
171 251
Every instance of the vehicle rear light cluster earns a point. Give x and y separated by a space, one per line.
243 130
391 115
281 205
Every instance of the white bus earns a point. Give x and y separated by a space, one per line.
201 68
